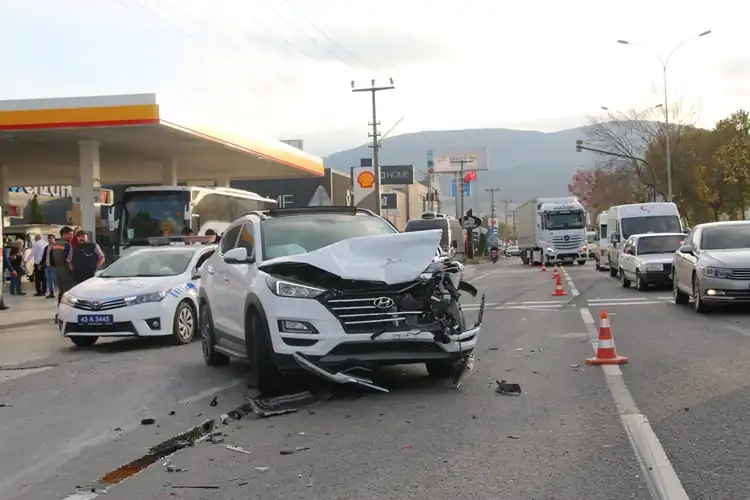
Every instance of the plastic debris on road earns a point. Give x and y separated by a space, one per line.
508 389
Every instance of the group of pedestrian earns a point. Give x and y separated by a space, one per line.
58 267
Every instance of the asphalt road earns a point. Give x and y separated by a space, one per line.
77 415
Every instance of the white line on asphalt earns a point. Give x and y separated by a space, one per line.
660 476
573 289
209 392
473 280
630 299
540 306
623 303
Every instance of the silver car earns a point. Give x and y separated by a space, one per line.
646 259
713 265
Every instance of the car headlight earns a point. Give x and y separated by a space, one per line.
147 298
716 272
292 290
652 267
68 300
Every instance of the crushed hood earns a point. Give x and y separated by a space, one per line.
388 258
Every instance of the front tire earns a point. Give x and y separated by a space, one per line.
183 324
679 297
623 280
698 305
268 378
83 341
581 262
208 340
612 270
640 283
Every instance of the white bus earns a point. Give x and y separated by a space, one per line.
154 211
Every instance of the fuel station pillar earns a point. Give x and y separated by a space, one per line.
86 194
169 172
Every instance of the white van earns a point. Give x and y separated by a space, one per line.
601 241
623 221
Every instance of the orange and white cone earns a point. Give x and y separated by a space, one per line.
556 273
559 290
606 354
544 267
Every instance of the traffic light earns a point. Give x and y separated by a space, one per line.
579 143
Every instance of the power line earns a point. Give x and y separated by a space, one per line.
344 49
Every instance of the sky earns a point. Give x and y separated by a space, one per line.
283 68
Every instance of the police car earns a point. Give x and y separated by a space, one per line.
149 293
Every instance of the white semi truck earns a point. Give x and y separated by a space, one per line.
552 230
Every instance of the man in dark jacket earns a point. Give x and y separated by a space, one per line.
85 259
65 279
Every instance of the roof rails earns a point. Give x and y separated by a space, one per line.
281 212
258 213
160 241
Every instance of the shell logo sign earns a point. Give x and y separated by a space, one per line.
366 179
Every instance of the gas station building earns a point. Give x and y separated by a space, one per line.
87 142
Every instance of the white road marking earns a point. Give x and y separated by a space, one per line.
631 303
573 290
209 392
629 299
530 308
477 278
660 476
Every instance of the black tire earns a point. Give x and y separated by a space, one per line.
679 297
439 369
268 379
640 283
612 270
83 341
210 355
623 280
581 262
597 266
698 305
184 324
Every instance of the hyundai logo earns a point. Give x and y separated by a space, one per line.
383 302
95 305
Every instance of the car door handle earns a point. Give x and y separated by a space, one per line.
211 271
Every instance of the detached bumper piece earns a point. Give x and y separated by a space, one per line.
337 378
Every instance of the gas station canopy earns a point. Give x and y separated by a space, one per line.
42 142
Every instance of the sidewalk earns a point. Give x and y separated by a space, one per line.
27 310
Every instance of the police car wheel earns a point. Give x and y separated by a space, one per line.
210 356
86 341
184 323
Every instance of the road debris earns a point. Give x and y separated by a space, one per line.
270 407
519 349
173 468
507 388
296 450
261 469
214 401
5 405
172 413
148 421
211 437
238 449
343 377
513 437
224 418
461 370
575 366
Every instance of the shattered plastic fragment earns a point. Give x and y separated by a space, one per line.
261 469
462 369
238 449
506 388
269 407
147 421
214 401
338 378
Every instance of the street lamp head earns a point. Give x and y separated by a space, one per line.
707 32
658 106
624 42
605 108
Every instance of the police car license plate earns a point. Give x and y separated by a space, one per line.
95 319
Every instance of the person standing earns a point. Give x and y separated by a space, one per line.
48 259
9 269
16 263
65 279
37 255
85 259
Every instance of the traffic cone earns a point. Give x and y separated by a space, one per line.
544 267
559 291
606 354
556 273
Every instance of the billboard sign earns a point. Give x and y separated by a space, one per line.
467 189
388 201
363 183
396 175
451 160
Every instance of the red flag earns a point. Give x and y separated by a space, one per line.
471 176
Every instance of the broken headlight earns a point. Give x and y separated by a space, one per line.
292 290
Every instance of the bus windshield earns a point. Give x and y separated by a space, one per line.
148 214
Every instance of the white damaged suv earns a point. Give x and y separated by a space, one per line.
332 290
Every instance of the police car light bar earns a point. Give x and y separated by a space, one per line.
167 240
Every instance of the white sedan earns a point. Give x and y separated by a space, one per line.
150 292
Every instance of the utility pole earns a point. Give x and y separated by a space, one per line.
492 192
514 224
373 89
460 186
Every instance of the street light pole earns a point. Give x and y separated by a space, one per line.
667 133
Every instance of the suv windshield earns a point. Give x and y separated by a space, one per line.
729 237
651 224
150 263
659 244
429 224
304 233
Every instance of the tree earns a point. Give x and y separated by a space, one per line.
734 157
37 216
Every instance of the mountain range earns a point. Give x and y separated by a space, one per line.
523 164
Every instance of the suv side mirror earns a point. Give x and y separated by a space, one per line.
237 256
686 249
